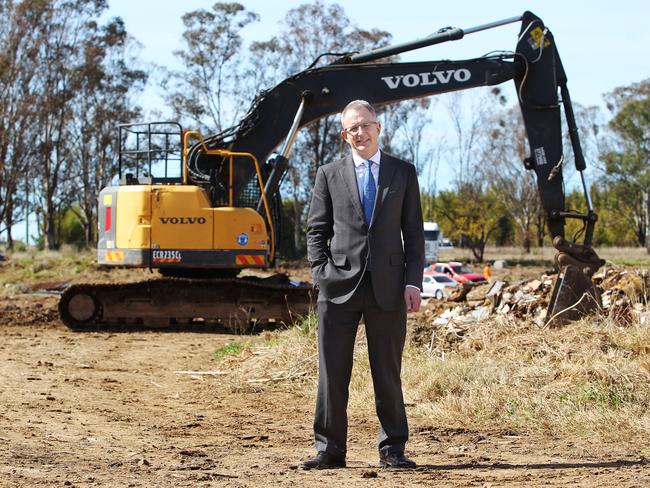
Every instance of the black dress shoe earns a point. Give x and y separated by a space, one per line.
395 460
323 460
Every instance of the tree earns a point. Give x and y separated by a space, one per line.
628 166
471 213
70 229
105 86
405 127
504 148
18 69
616 225
66 81
62 27
307 32
468 115
207 93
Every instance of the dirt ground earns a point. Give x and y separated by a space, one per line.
120 410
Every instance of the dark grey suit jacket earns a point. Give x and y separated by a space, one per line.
339 240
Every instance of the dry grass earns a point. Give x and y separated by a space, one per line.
591 378
287 357
23 269
632 256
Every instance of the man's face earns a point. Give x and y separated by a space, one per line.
361 131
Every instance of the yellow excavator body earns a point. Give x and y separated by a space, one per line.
167 226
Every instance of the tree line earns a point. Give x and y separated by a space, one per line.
67 80
64 82
499 203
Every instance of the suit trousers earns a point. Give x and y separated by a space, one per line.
385 333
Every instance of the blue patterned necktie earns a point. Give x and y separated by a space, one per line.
369 192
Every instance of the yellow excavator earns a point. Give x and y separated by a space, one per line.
200 210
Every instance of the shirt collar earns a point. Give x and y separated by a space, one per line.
358 160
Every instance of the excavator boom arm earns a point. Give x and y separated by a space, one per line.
315 93
539 77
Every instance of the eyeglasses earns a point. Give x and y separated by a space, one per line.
356 129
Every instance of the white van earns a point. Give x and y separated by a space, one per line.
431 242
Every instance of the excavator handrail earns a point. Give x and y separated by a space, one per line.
186 135
230 155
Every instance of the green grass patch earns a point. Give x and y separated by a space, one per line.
230 349
306 326
585 396
636 262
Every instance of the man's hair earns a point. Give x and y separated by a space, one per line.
358 104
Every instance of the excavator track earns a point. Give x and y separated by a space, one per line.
237 304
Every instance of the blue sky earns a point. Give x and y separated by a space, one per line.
603 43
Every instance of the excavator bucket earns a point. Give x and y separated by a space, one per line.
574 296
574 293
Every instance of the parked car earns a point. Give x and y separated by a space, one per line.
447 243
437 285
460 272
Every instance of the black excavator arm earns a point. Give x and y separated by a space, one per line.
540 80
535 67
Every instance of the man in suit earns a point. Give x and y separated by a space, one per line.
365 243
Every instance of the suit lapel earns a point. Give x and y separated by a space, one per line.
386 170
349 177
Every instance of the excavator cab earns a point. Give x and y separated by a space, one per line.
154 218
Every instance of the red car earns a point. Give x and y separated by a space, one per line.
460 272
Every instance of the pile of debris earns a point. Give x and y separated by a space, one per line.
25 310
625 296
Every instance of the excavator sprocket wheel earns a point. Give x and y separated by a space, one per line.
78 308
